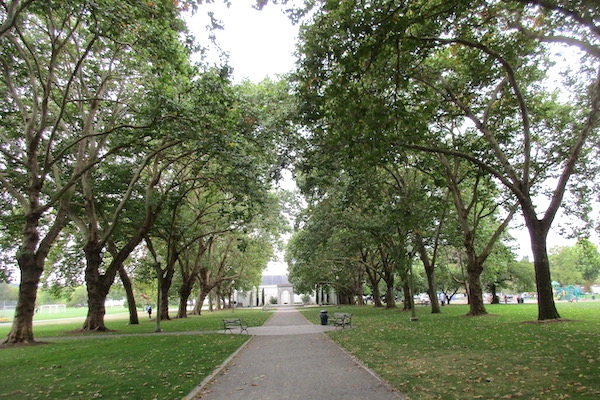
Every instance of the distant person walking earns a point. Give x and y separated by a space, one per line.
149 309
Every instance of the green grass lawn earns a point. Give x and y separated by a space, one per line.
450 356
440 356
134 367
120 325
70 312
139 367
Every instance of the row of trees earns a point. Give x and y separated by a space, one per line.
434 123
425 124
115 144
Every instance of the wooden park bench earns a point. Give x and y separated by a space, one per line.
342 319
234 323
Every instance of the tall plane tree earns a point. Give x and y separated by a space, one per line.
484 65
54 109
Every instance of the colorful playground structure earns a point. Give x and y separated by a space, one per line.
569 293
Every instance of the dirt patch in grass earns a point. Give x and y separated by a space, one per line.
549 321
479 315
90 332
22 344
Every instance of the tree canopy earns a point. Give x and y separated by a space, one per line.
467 80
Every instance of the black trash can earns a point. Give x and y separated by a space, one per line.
324 317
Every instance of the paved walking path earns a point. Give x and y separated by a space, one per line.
289 358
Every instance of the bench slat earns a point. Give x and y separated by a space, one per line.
229 323
342 319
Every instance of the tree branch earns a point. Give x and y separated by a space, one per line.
511 77
12 14
585 20
588 128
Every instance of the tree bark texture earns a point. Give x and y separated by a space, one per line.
165 287
389 294
374 283
185 292
546 306
406 303
22 327
494 291
131 305
31 258
430 273
98 286
475 291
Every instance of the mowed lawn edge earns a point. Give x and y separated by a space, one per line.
505 355
111 366
208 321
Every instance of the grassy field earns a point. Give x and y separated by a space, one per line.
153 367
441 356
71 312
450 356
133 367
119 324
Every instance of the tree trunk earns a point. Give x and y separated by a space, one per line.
377 296
432 288
546 306
182 308
374 282
98 286
435 302
200 301
165 287
406 303
22 327
220 300
96 309
197 310
475 291
184 294
361 296
389 294
430 273
133 314
31 258
495 298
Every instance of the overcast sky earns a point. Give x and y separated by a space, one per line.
260 43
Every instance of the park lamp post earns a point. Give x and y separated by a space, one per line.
337 290
232 297
158 284
413 315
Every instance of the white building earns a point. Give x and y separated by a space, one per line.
272 286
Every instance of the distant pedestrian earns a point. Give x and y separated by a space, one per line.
149 309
